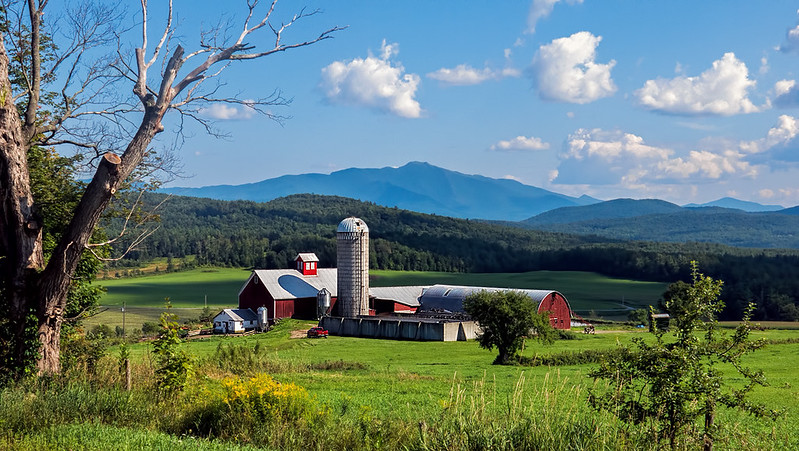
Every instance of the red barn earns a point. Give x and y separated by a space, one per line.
287 293
291 293
450 298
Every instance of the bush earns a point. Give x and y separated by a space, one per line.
100 331
174 364
150 328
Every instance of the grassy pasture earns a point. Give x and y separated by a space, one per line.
586 291
418 381
410 377
187 289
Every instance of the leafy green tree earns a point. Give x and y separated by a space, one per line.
175 365
206 315
676 382
506 318
638 316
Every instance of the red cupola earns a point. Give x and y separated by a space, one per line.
306 263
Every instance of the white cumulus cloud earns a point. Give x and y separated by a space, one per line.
540 9
521 143
786 93
603 157
625 159
373 82
791 43
778 148
707 165
227 112
720 90
463 75
565 70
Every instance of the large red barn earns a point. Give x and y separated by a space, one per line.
450 298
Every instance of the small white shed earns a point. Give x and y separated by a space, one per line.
231 321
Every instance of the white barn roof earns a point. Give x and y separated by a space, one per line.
291 284
239 314
404 295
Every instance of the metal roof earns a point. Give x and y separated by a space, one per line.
241 314
307 257
404 295
450 297
352 224
285 284
291 284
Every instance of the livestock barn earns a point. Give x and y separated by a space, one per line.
294 293
289 293
449 298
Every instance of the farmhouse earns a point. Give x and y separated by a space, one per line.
235 320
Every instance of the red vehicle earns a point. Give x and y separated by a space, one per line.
317 332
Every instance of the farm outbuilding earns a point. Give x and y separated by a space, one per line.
233 321
449 298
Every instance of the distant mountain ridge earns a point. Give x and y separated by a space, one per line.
657 220
416 186
729 202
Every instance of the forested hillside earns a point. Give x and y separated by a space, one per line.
269 235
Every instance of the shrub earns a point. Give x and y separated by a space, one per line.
150 328
174 364
100 331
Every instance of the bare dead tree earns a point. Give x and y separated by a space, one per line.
87 95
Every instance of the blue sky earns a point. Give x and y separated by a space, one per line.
682 100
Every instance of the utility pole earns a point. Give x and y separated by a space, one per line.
123 319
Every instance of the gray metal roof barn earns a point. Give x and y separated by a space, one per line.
450 298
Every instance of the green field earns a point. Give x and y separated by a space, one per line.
187 289
381 392
220 286
144 296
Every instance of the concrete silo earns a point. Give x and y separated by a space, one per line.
352 238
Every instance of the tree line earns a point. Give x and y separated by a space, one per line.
269 235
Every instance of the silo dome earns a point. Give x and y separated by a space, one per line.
352 224
352 238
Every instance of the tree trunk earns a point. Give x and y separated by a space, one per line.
20 227
710 418
54 281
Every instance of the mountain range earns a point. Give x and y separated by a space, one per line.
416 186
424 188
